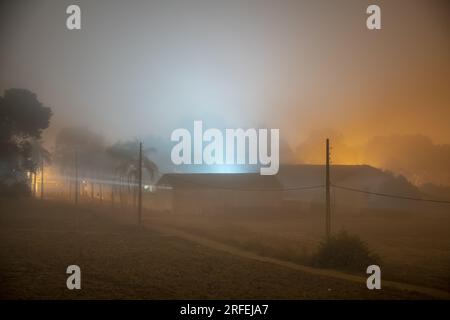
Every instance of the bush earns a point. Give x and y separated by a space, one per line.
346 252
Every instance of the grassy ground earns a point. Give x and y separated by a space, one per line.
38 240
414 248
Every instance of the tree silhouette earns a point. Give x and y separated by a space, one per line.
126 155
22 120
22 116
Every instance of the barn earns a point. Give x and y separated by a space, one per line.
210 193
361 177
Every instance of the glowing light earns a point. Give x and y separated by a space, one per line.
222 169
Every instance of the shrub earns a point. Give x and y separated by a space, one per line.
346 252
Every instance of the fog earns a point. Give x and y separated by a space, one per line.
141 69
414 156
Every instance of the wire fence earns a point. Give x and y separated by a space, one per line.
299 188
224 186
389 195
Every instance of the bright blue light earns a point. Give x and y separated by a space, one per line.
230 169
220 169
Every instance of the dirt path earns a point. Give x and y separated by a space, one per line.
439 294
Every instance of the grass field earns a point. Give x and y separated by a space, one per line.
39 239
414 247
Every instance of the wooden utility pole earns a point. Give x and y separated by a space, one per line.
42 179
327 191
140 185
100 190
34 183
112 194
76 177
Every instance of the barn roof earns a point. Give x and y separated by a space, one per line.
293 175
354 176
231 181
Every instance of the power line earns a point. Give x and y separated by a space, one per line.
302 188
390 195
248 189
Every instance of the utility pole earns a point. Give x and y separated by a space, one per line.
140 185
34 183
112 193
100 187
42 179
92 189
327 191
76 177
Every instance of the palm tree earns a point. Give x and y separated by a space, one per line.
126 155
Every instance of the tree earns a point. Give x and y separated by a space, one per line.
87 147
126 156
37 155
22 116
22 120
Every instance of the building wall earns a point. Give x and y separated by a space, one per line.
163 200
207 201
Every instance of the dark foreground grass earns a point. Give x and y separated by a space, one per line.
38 240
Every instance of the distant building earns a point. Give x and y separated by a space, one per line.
286 192
361 177
207 193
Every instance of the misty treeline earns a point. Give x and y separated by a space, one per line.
81 152
23 118
414 156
